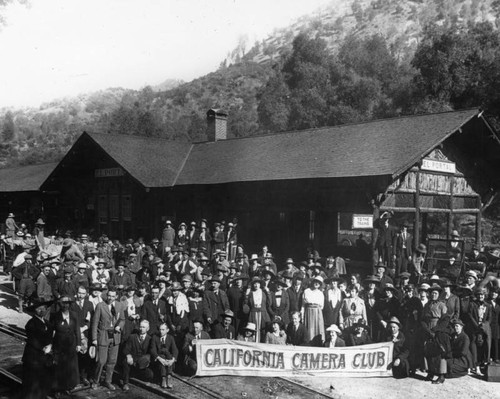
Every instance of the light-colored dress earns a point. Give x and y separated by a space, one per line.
272 338
312 312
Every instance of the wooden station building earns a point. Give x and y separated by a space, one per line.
287 189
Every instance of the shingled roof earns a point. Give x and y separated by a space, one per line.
383 147
25 178
378 148
153 162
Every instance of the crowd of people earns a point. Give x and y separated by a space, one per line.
144 306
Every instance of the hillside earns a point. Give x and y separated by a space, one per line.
176 110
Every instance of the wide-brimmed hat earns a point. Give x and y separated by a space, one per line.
424 287
182 224
215 279
381 264
101 261
82 265
168 222
390 287
251 327
203 258
287 274
446 282
280 283
481 291
335 328
228 313
289 261
187 277
454 233
371 279
254 257
394 320
20 233
256 279
317 265
268 255
421 248
360 323
11 215
176 286
40 222
435 287
471 273
404 275
67 242
157 260
268 271
457 321
68 269
66 299
130 288
37 303
240 276
96 287
318 278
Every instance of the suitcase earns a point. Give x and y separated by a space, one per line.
493 372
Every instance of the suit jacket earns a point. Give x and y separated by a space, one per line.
296 338
220 332
64 287
284 308
154 314
103 321
214 306
44 289
295 299
137 349
399 242
84 314
474 317
125 280
188 340
167 350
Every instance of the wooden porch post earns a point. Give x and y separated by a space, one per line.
416 231
479 218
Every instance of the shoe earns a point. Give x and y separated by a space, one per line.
169 382
478 372
163 384
109 386
94 385
440 380
126 387
429 377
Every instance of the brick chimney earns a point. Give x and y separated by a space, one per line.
216 124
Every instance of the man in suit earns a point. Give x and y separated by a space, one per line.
189 346
155 310
43 288
295 331
193 236
168 236
236 298
107 326
122 279
215 303
84 311
295 294
225 329
137 355
164 353
403 243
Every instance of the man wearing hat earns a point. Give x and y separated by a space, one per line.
193 235
269 264
236 297
25 275
81 277
471 280
155 310
100 275
403 243
417 263
10 226
66 286
36 360
295 293
384 279
43 287
38 232
255 267
168 236
385 238
231 240
121 279
181 239
249 333
186 265
70 251
480 318
204 239
218 238
84 311
225 329
400 365
215 303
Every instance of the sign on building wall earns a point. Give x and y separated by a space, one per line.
438 166
228 357
362 221
109 172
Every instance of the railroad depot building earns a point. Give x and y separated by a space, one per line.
323 186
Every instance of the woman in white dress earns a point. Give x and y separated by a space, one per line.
313 301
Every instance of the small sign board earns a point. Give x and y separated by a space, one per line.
438 166
362 221
109 172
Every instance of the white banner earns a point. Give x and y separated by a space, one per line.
227 357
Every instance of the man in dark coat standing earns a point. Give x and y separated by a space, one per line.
215 303
137 355
84 311
37 369
403 243
295 331
225 329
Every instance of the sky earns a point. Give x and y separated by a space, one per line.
57 48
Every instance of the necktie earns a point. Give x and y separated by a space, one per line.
163 340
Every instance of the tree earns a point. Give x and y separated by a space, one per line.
9 127
274 109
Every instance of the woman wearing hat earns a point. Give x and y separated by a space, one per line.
66 345
333 300
333 339
352 309
280 302
181 239
277 335
371 297
259 304
451 300
37 367
10 226
249 333
495 326
416 267
458 364
313 301
358 334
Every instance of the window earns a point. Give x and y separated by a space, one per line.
312 214
103 209
127 208
114 208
